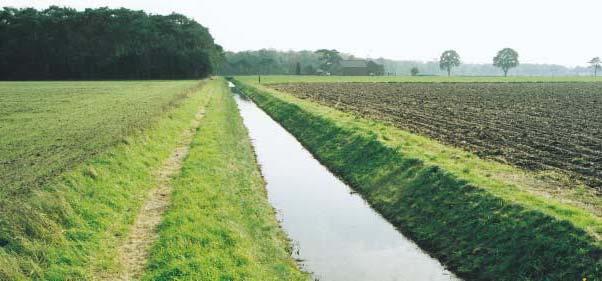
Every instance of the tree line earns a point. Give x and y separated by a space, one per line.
270 62
307 62
278 62
505 59
103 43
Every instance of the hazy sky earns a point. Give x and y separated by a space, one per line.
542 31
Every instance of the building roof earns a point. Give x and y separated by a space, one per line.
354 63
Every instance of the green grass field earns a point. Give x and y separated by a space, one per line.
220 225
268 79
47 127
71 225
68 226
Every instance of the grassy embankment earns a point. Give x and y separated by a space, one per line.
220 225
104 142
79 158
268 79
483 219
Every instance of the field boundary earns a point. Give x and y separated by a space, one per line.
81 216
476 234
133 253
220 224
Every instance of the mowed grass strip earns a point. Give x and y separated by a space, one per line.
47 127
219 225
70 227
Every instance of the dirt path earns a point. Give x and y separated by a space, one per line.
134 252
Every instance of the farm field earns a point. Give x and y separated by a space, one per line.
538 126
272 79
64 222
467 211
147 142
75 222
47 127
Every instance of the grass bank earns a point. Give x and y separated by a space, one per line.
68 226
469 213
220 225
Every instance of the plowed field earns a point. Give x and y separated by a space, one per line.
537 126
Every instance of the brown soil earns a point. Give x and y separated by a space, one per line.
538 126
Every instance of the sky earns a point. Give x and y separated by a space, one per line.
565 32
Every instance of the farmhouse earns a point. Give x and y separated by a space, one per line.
361 68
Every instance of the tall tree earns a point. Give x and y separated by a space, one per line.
329 59
449 59
595 64
103 43
505 59
298 68
414 71
309 70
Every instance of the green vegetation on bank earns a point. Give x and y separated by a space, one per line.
485 220
220 225
271 79
112 137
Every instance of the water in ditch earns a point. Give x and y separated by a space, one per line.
335 233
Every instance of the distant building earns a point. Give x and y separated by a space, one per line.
361 68
375 68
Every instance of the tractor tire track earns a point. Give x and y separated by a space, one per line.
134 251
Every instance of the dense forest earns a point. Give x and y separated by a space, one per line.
288 62
103 43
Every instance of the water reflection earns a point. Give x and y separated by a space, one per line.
336 235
